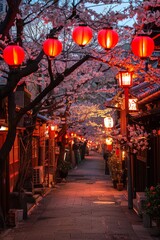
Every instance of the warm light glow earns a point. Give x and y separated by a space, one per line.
123 155
109 141
66 136
104 202
125 79
13 55
107 38
82 35
53 128
52 47
108 122
2 128
132 104
142 46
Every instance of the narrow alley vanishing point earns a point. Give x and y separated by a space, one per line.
86 206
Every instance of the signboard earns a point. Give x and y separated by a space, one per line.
132 104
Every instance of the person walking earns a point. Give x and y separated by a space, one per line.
106 156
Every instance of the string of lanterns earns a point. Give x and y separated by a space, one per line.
142 46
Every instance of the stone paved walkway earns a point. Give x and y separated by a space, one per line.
86 207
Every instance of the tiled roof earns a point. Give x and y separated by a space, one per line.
144 89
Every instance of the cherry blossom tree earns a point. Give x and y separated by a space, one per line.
88 71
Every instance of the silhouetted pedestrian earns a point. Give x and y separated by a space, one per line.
105 156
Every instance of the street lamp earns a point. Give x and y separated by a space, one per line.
108 122
125 81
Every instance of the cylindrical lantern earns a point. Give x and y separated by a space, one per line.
82 35
13 55
108 122
107 38
125 79
52 47
142 46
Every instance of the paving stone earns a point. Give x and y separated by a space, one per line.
86 207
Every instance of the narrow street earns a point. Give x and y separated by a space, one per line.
86 206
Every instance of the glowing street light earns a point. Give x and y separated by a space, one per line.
125 81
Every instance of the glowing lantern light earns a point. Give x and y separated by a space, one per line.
107 38
142 46
132 104
125 79
109 141
13 55
66 136
52 129
52 47
82 35
123 155
108 122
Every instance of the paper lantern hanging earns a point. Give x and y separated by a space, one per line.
142 46
108 122
52 47
13 55
82 35
107 38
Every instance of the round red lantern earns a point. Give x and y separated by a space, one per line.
52 47
142 46
82 35
107 38
13 55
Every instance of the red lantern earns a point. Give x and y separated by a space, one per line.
142 46
82 35
13 55
51 131
52 47
107 38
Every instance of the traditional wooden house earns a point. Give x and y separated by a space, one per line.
146 166
11 171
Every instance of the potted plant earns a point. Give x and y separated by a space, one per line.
115 169
119 183
151 205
